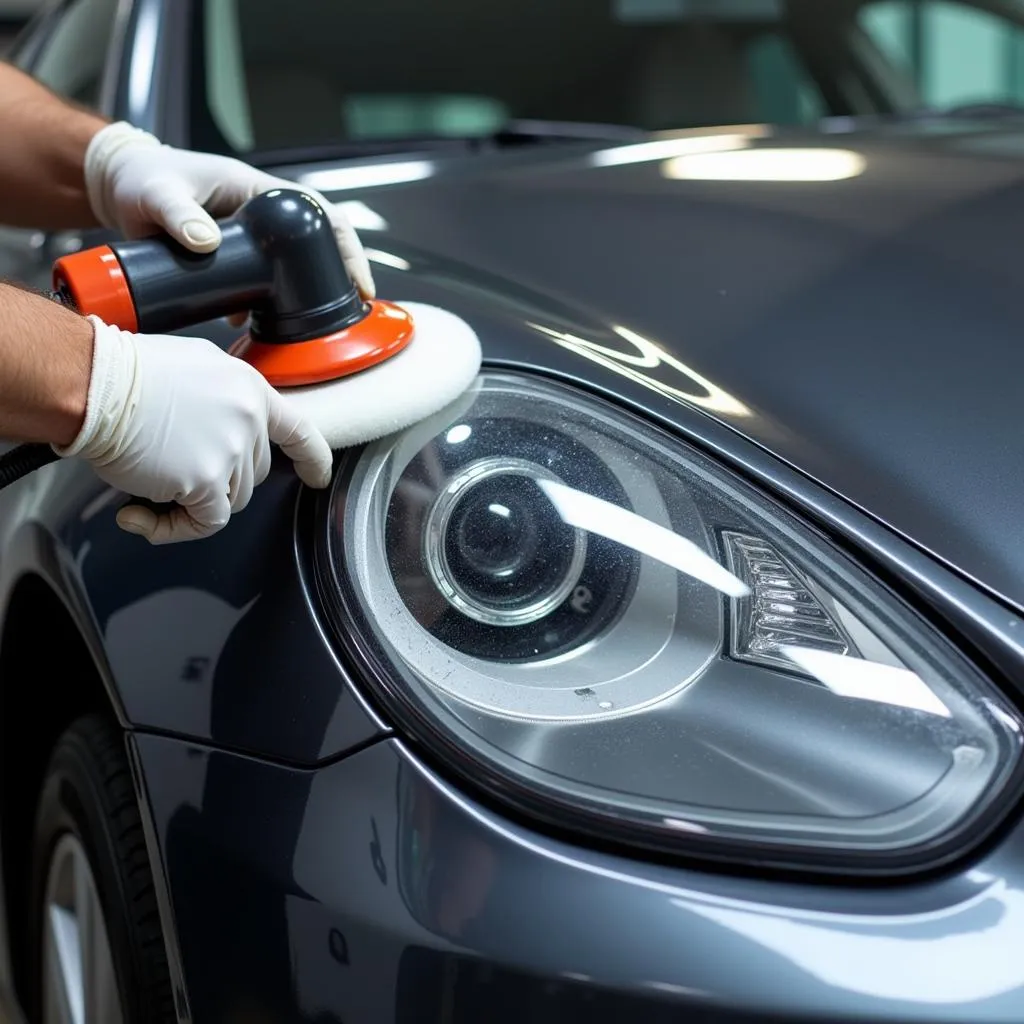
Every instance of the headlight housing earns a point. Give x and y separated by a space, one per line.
616 633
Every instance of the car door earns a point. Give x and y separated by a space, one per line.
67 47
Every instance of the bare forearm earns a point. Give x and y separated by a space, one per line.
45 362
44 139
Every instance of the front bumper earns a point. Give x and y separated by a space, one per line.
369 891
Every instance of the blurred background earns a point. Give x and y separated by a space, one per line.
13 14
953 51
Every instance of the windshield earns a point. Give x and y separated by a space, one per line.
306 74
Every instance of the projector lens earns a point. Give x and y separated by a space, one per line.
496 547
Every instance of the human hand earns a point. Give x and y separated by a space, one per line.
174 419
138 186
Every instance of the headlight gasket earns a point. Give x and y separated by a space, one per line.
548 806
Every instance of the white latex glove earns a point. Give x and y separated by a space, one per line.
176 419
137 185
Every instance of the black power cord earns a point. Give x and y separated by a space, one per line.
24 459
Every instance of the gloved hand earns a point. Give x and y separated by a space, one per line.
137 185
176 419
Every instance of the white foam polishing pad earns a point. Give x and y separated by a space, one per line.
434 369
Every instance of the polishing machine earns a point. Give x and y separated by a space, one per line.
358 368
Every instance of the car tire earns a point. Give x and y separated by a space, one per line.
96 935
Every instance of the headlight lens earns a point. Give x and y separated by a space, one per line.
603 622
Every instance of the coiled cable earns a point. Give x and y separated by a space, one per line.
24 459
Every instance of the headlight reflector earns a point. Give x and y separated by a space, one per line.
605 623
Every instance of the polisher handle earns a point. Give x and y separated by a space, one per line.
278 260
156 286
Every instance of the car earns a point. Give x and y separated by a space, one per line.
675 671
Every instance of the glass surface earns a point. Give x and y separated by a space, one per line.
308 73
600 613
955 52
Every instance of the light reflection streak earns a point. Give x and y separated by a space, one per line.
648 355
587 512
662 149
867 680
339 179
771 165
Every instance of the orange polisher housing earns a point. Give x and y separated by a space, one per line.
94 280
381 334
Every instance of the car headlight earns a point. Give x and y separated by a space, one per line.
613 631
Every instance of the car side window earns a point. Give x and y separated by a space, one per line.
73 58
953 51
783 90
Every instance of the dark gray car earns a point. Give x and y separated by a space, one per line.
672 674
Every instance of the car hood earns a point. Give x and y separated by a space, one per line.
866 326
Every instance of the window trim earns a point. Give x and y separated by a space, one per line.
115 58
24 52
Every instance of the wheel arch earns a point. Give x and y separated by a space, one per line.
48 678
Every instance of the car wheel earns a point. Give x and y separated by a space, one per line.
98 947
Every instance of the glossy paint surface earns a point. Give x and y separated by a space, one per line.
369 891
857 332
215 641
